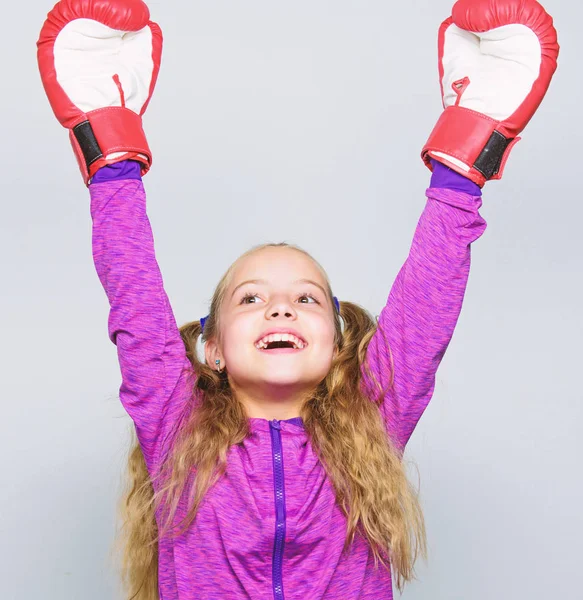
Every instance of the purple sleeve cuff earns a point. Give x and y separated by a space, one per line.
446 178
125 169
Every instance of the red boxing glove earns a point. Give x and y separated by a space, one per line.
99 61
496 62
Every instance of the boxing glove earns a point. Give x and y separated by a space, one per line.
99 61
496 61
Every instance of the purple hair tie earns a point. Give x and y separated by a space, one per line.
204 319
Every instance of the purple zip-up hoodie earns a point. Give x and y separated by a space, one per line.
270 528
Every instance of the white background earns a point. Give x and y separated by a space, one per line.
302 122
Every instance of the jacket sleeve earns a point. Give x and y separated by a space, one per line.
417 322
154 368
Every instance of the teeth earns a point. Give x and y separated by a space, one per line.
280 337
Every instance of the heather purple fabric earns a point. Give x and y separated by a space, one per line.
444 177
227 552
125 169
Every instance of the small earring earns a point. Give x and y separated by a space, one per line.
218 363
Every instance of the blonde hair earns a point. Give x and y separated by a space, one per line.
346 431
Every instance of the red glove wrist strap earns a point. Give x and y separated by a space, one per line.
106 131
474 139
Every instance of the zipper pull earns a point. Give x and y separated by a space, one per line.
275 424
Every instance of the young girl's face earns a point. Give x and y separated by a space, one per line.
276 290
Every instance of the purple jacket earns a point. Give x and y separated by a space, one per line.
271 528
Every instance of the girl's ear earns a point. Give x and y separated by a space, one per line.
211 353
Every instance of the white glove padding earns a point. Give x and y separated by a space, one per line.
99 62
496 61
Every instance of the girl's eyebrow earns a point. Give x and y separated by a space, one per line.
246 282
256 281
313 283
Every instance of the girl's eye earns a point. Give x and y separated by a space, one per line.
246 296
309 296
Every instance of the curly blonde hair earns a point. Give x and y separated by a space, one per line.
346 431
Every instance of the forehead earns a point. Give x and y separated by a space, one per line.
278 266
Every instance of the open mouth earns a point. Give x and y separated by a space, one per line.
282 343
280 348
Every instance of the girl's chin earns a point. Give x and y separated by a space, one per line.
286 375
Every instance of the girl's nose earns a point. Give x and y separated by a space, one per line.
281 307
286 313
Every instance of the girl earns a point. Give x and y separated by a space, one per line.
274 467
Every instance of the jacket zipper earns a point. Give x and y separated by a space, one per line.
279 491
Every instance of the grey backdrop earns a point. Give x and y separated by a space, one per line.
299 122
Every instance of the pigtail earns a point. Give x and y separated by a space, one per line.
350 438
137 540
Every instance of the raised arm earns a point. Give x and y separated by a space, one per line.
419 318
496 61
141 324
99 63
